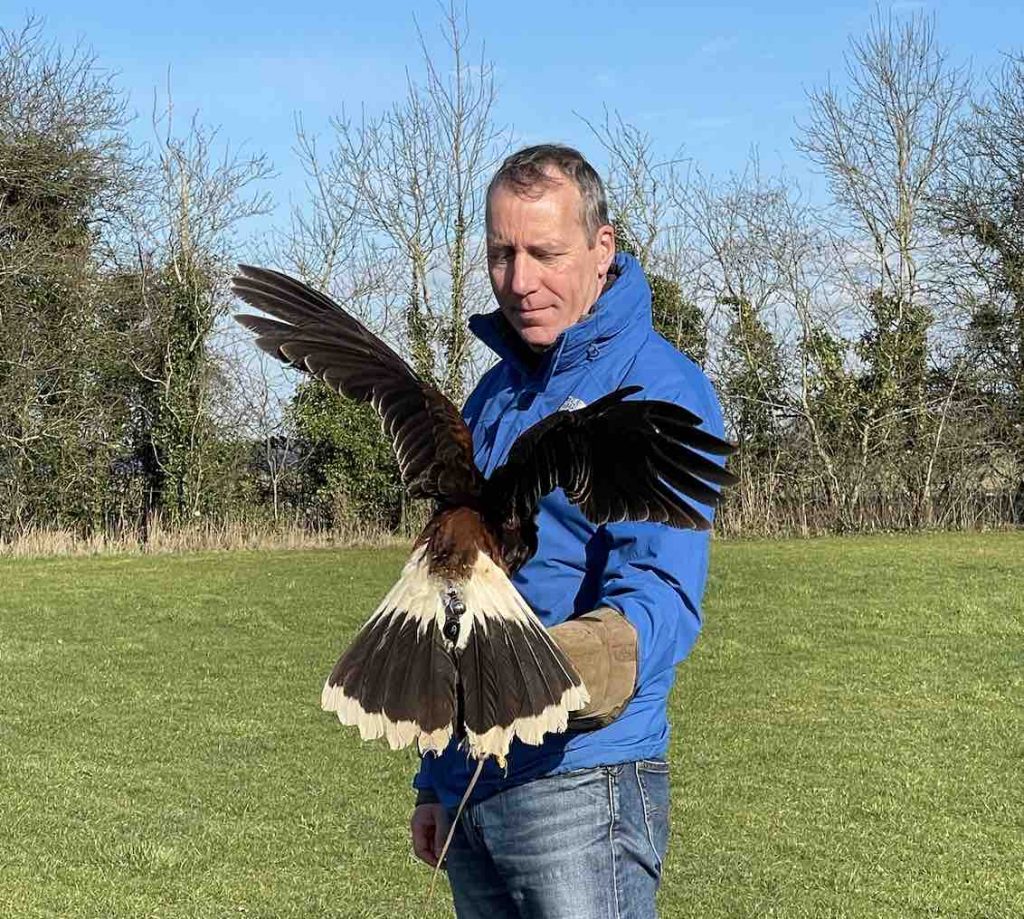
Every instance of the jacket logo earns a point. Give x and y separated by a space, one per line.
572 404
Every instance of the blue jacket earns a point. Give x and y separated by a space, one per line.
652 573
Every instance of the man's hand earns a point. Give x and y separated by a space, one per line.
429 828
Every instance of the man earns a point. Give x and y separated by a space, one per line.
577 827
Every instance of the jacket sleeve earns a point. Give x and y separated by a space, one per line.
421 780
655 574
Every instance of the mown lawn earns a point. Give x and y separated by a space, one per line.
849 737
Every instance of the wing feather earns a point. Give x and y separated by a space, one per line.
311 332
617 460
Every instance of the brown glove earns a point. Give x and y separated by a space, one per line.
603 648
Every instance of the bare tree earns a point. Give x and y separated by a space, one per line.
186 252
883 144
640 185
253 410
642 189
981 206
404 190
66 177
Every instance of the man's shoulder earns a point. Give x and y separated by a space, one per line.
496 377
666 373
658 355
492 382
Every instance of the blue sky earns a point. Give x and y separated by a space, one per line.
713 78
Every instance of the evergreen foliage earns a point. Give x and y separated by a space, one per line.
350 474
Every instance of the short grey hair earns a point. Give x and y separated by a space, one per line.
527 173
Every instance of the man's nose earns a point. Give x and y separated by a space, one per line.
525 277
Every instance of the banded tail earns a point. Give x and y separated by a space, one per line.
495 675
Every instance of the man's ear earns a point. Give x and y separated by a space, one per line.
604 241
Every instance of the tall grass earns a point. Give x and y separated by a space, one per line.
203 535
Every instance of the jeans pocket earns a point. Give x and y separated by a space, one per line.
594 771
653 781
573 773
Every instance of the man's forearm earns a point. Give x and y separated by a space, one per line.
602 646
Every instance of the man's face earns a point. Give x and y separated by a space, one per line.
545 272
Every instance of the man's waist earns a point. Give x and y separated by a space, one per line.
641 732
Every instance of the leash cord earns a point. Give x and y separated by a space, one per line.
451 831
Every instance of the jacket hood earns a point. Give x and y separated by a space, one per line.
624 306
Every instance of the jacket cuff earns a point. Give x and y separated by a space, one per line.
426 796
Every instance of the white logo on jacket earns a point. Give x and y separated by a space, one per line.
572 404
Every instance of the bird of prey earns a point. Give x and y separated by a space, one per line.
453 649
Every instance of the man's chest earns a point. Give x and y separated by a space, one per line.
513 409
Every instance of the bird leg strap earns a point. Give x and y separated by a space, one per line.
454 608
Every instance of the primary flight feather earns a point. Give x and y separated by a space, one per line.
453 648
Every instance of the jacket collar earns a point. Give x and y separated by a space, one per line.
624 304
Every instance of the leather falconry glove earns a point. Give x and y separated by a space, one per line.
602 646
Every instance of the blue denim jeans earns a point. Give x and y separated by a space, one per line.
587 844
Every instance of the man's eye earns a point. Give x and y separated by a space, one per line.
546 256
497 257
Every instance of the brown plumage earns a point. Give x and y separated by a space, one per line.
453 649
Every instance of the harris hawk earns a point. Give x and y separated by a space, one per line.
453 649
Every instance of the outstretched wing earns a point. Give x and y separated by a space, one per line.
310 331
616 460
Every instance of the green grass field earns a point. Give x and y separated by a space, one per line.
848 737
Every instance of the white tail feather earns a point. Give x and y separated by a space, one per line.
490 599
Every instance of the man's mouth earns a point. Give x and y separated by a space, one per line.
528 310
